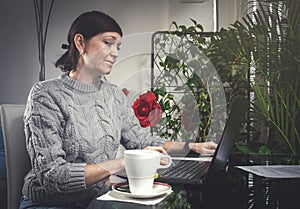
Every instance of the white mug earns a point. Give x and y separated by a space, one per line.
141 166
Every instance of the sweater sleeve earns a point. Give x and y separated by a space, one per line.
43 122
133 136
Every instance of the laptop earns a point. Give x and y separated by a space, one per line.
197 171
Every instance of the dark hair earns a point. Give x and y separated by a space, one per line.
88 25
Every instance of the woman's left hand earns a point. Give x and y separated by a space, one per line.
204 147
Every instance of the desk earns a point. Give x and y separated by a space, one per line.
235 190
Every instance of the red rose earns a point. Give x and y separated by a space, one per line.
147 110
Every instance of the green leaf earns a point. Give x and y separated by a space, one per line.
264 150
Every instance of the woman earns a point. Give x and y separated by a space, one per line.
74 124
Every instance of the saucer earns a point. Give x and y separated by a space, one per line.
158 190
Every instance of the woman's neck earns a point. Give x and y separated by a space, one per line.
83 76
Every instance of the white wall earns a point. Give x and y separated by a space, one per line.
201 12
138 18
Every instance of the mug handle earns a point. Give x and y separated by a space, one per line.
167 165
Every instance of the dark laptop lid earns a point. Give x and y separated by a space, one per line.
231 131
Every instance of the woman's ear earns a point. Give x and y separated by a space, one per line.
79 43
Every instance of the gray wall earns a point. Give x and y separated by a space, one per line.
19 56
19 66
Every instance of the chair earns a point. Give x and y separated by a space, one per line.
17 159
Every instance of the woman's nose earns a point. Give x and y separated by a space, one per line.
114 51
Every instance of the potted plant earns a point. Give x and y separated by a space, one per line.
187 85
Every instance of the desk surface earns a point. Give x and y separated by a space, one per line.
237 190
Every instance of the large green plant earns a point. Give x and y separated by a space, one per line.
257 57
272 34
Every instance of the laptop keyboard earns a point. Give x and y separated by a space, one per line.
185 169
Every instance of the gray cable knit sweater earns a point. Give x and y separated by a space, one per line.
68 125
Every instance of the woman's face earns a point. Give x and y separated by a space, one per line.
101 52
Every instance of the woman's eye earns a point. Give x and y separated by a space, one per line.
108 43
111 43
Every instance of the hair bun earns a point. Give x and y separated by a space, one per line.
65 46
